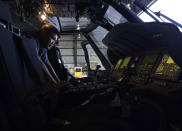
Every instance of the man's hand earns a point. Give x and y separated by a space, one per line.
60 122
62 84
67 123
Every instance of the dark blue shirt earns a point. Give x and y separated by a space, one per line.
43 55
41 52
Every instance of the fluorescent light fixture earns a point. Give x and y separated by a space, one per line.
78 27
79 36
129 6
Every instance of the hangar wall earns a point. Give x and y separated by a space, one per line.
71 50
73 54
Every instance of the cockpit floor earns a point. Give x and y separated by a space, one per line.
93 117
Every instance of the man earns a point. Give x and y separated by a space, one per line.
47 37
56 61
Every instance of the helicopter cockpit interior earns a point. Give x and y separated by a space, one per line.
132 70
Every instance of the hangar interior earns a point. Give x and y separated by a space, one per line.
73 54
116 72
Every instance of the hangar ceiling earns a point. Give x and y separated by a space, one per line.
70 12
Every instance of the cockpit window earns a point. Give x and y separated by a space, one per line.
116 18
72 52
93 58
97 36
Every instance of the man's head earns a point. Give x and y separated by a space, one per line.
48 35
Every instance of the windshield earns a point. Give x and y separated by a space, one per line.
72 52
116 18
97 36
93 58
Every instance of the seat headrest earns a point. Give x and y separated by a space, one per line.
5 13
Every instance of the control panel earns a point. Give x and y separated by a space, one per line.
144 68
157 69
167 74
154 68
125 62
167 69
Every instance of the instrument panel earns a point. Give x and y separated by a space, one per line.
144 68
152 70
146 64
122 63
167 69
125 62
118 64
155 68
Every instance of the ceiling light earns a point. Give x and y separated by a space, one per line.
78 27
79 36
43 17
129 6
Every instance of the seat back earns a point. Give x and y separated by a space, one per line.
27 50
12 87
21 79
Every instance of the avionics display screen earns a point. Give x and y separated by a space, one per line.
145 65
118 64
125 62
168 69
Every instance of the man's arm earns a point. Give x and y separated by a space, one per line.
46 70
51 77
53 73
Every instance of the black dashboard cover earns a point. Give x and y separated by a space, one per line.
135 38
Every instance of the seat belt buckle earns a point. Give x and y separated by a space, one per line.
15 30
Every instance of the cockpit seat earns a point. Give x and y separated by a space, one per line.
21 78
